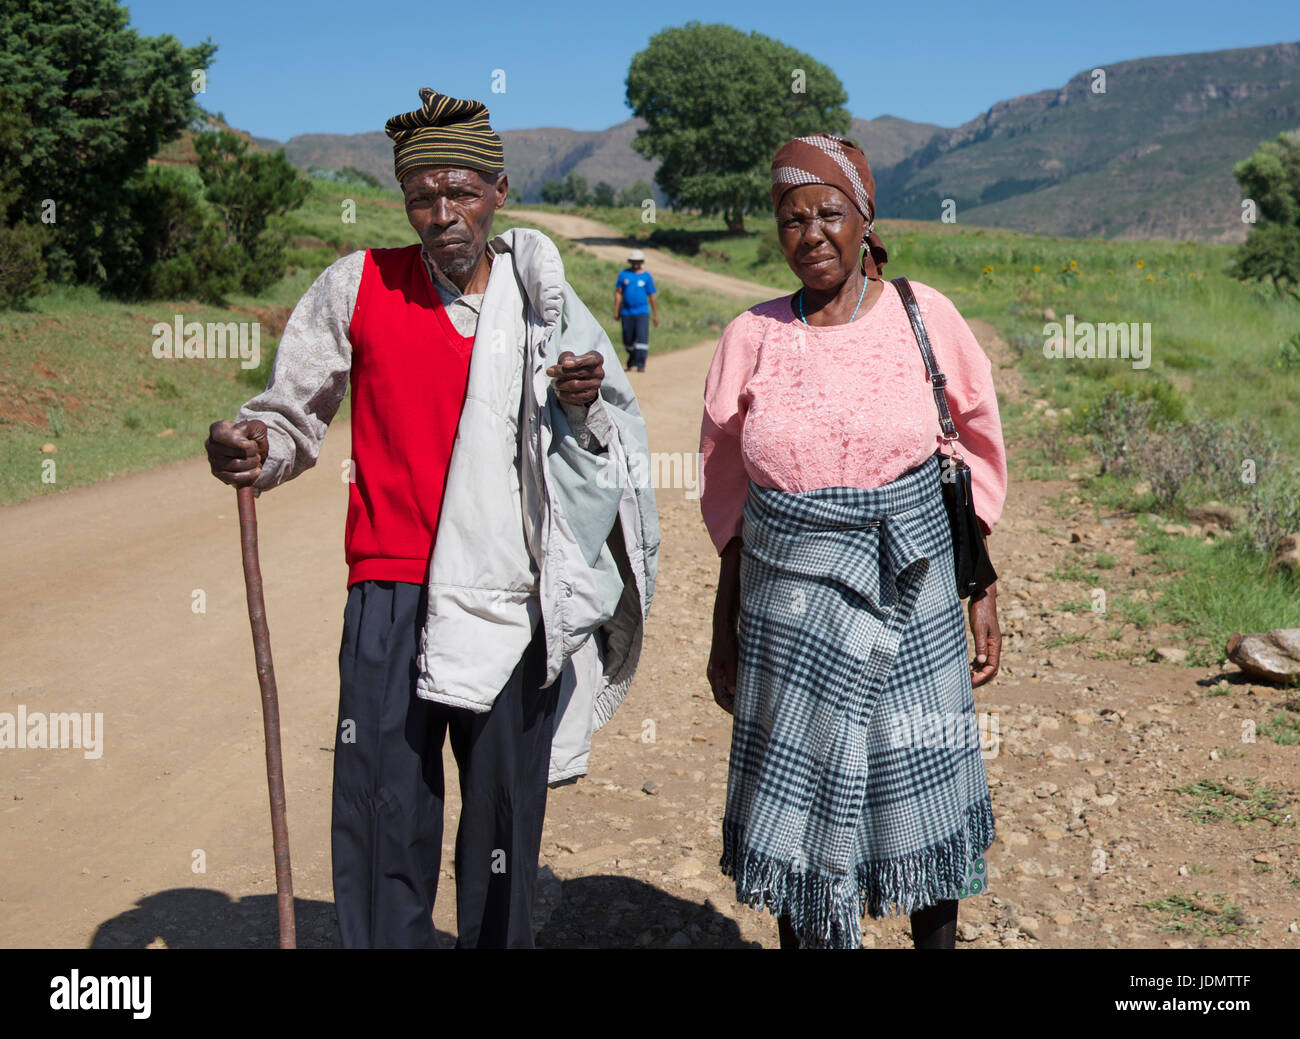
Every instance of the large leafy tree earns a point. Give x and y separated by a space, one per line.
96 100
1271 177
717 104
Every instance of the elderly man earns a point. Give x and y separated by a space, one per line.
501 556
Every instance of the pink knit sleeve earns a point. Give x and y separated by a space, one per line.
972 400
724 482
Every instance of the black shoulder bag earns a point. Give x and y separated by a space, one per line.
970 555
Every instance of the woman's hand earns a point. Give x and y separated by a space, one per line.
988 636
724 654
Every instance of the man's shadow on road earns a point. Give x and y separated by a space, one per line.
198 918
605 912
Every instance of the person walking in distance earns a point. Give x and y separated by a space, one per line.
636 305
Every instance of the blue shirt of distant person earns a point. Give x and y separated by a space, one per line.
634 304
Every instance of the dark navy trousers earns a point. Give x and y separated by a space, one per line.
389 791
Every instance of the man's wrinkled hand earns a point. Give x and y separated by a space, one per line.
577 378
236 451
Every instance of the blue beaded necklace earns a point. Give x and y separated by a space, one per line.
865 282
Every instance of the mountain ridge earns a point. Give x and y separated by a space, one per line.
1151 156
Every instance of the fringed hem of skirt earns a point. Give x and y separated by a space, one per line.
826 911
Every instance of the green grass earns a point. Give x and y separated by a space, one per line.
1247 802
1214 590
1192 914
88 362
1284 727
1139 614
1069 569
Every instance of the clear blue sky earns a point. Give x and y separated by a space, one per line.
287 67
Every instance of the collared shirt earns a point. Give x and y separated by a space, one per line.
464 311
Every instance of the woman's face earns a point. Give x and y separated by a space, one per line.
820 232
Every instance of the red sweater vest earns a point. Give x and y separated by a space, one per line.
410 369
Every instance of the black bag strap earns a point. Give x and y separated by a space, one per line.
937 379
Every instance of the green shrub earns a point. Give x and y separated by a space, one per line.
769 246
1113 424
22 268
1273 507
1195 460
636 193
170 246
1288 354
247 189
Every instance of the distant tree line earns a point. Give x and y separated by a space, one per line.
85 103
572 190
347 175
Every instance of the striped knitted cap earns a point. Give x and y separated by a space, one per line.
444 131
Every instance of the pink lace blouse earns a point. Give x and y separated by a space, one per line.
798 407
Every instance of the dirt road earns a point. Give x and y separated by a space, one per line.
126 599
604 241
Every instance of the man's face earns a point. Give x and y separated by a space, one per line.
451 208
636 266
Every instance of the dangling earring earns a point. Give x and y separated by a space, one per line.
866 245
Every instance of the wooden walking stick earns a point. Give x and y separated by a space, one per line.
270 715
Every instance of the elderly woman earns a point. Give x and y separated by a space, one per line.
838 638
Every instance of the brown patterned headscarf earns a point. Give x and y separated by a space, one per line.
823 158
